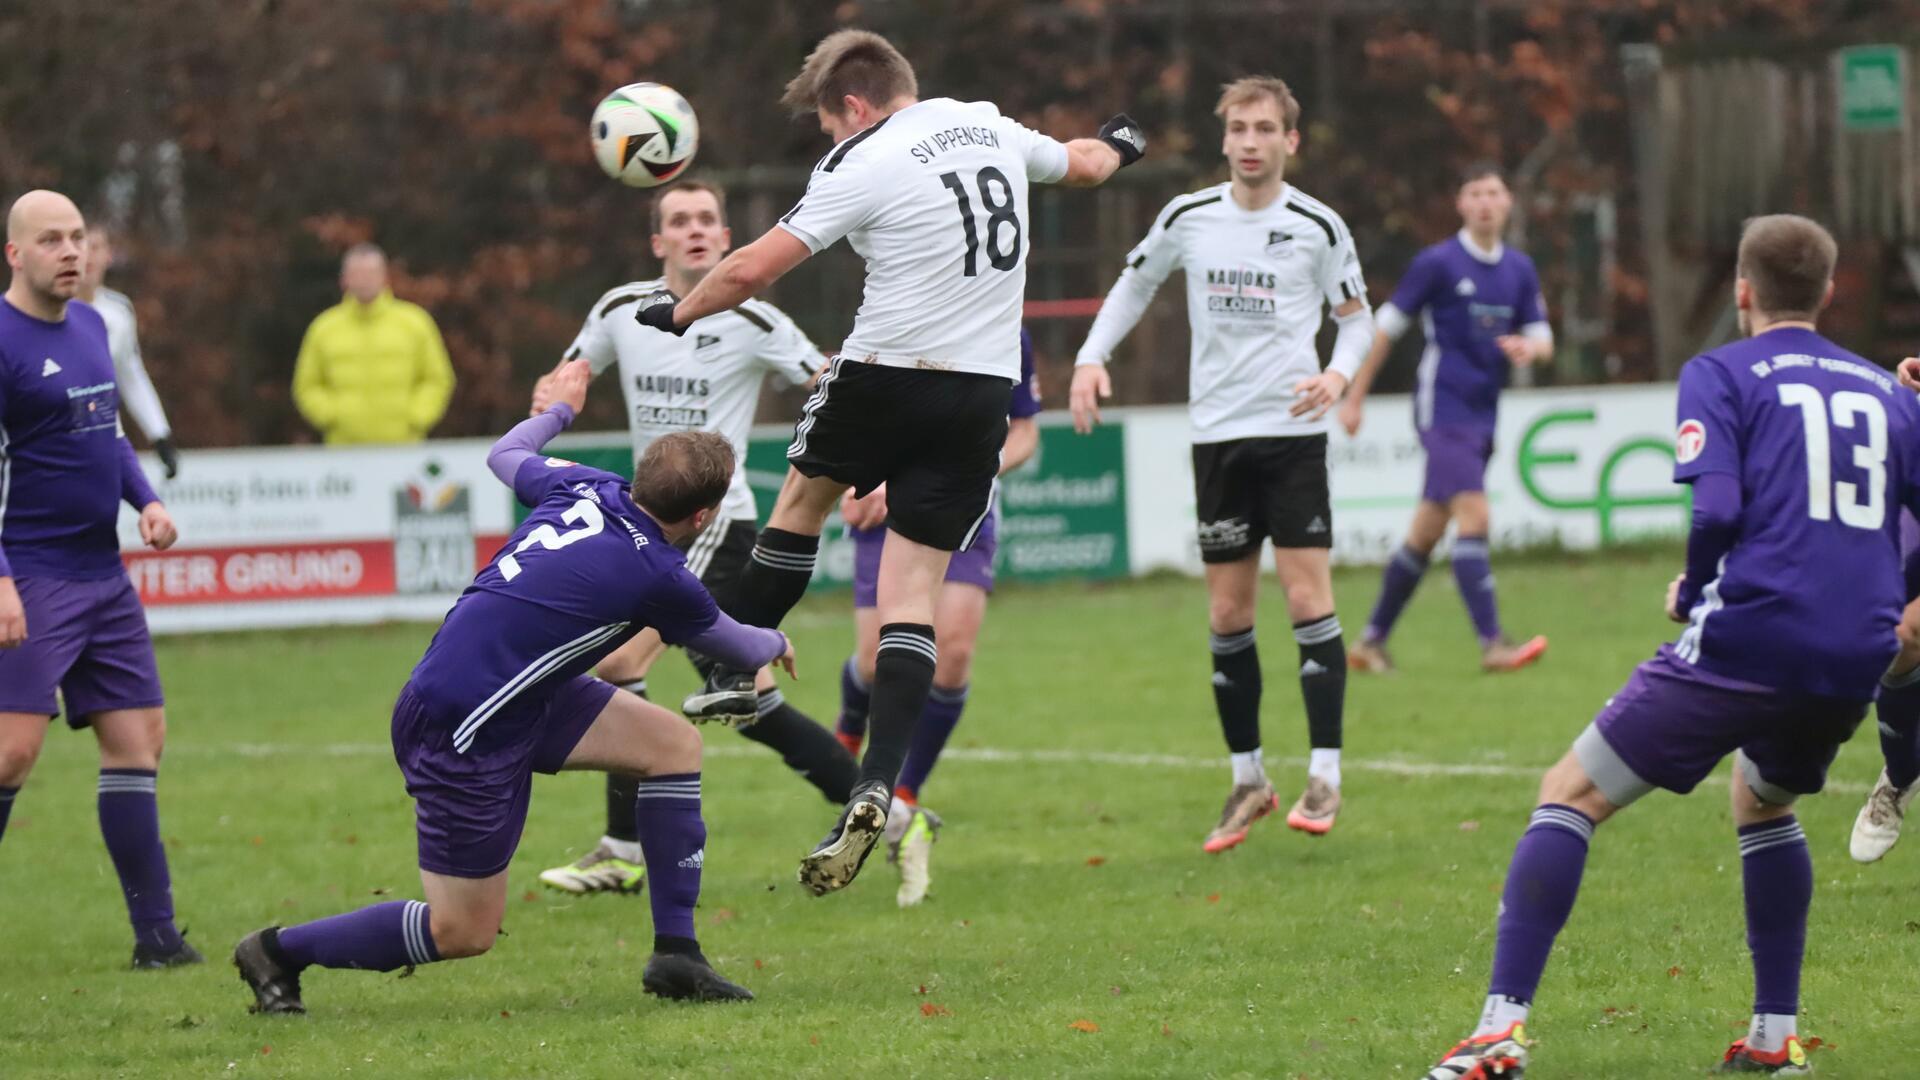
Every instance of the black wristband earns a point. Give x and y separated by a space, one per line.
656 310
1126 137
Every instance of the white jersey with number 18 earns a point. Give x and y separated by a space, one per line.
934 197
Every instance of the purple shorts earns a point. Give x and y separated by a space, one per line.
1456 461
87 639
1669 726
973 566
469 808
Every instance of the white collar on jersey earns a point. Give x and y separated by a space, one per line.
1491 258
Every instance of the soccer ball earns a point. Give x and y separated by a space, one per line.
644 134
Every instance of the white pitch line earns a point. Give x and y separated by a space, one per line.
994 755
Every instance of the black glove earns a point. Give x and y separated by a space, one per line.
656 310
1125 135
169 456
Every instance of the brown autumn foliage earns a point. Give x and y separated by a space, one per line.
241 145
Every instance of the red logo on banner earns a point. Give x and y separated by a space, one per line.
262 572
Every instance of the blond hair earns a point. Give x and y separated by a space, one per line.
860 63
1252 88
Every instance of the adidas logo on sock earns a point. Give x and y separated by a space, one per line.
1220 680
1312 667
694 861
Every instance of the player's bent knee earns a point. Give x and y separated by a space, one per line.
17 756
1755 799
680 750
1569 783
131 739
955 665
456 935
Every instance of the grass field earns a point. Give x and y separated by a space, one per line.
1075 929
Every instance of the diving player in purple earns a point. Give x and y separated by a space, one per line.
70 621
1479 303
957 616
1800 456
502 693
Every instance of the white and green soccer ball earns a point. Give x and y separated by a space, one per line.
644 134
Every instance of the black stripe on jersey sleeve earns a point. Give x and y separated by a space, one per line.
789 214
618 302
573 353
765 324
1194 205
1326 226
1346 290
834 159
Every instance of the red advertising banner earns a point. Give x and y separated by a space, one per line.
274 571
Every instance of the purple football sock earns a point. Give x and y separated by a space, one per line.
856 697
1473 573
130 824
1777 874
673 837
1542 882
1397 583
6 807
384 937
1899 714
937 721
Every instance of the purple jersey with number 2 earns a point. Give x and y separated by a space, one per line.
1826 448
586 571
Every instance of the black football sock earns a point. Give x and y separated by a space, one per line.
1236 689
774 579
621 792
1323 678
902 678
806 747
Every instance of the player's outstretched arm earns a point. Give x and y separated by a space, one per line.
567 391
742 647
738 277
1090 162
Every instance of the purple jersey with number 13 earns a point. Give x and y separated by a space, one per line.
1826 447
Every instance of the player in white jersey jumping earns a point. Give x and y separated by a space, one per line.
1261 258
934 195
137 395
708 380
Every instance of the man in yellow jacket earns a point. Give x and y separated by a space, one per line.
372 369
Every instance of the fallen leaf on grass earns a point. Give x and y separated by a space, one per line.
1096 860
1087 1026
1816 1043
928 1008
1213 898
1676 971
1166 1032
258 840
1115 991
352 838
505 1015
922 991
725 914
266 1050
757 965
382 891
813 1040
529 896
1469 826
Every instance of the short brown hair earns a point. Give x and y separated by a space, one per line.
1787 261
719 196
683 473
1247 90
857 62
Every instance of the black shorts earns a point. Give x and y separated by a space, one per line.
720 552
933 437
1249 490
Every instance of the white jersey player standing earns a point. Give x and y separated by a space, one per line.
137 395
934 195
707 380
1262 259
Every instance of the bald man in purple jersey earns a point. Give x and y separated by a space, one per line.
72 630
1800 456
503 693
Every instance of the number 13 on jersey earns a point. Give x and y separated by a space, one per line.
1851 409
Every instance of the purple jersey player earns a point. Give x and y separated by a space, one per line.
72 630
1479 303
502 693
957 617
1800 456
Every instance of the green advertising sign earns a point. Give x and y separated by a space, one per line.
1873 88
